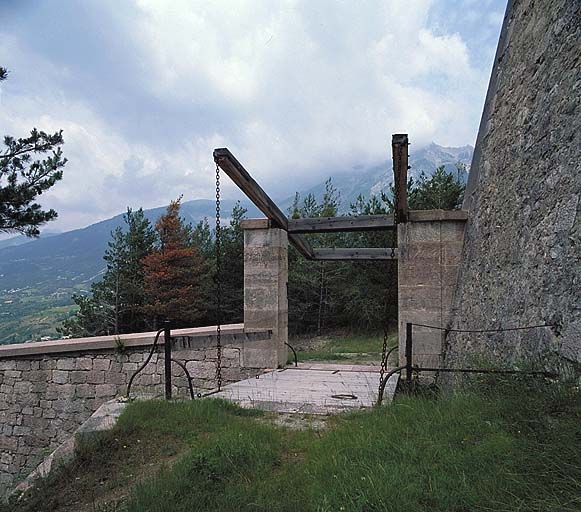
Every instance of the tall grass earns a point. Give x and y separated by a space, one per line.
508 447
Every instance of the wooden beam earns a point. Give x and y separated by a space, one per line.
300 242
234 169
240 176
332 224
354 254
399 148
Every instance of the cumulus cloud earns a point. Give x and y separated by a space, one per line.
144 90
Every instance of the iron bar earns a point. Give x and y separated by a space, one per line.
188 376
408 351
383 383
294 352
146 362
473 331
167 358
487 370
390 351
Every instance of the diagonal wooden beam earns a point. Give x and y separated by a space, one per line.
349 254
332 224
240 176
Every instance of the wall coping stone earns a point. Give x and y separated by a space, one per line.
255 224
110 342
437 215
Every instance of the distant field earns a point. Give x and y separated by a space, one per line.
29 315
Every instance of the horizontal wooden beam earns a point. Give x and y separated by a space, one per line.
332 224
240 176
346 254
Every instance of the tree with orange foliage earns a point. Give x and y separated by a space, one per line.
177 280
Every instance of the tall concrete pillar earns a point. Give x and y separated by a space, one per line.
429 256
265 292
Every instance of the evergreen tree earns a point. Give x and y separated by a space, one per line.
176 274
23 179
116 302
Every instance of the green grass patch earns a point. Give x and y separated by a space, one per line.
512 446
352 348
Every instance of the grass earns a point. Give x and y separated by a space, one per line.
352 348
513 445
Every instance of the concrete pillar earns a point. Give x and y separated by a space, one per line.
265 292
428 262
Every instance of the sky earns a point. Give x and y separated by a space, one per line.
144 90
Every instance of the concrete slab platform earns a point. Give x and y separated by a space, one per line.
311 389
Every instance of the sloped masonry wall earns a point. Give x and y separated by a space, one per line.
522 253
45 397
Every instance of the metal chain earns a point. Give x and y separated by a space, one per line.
384 361
218 284
383 367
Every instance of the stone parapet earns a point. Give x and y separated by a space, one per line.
46 394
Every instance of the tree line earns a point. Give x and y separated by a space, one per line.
168 270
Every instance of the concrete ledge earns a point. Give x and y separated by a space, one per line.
435 215
255 224
104 418
112 342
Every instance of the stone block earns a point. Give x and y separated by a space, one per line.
201 370
105 390
23 365
48 364
85 391
22 387
136 357
60 376
7 364
65 364
116 377
78 377
49 414
130 367
96 377
101 364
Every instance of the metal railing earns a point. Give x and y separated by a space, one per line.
410 368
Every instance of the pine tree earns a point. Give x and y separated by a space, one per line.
176 274
23 179
116 302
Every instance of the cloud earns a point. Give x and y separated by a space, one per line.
298 90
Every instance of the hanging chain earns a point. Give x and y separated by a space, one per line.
384 362
218 285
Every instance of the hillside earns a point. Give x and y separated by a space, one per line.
37 278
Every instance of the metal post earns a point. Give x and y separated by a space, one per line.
167 352
408 351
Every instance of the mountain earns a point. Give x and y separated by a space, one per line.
22 239
38 277
372 180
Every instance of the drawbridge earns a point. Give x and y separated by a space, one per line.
311 388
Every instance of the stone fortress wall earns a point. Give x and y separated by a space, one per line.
521 261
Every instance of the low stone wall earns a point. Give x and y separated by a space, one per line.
45 397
